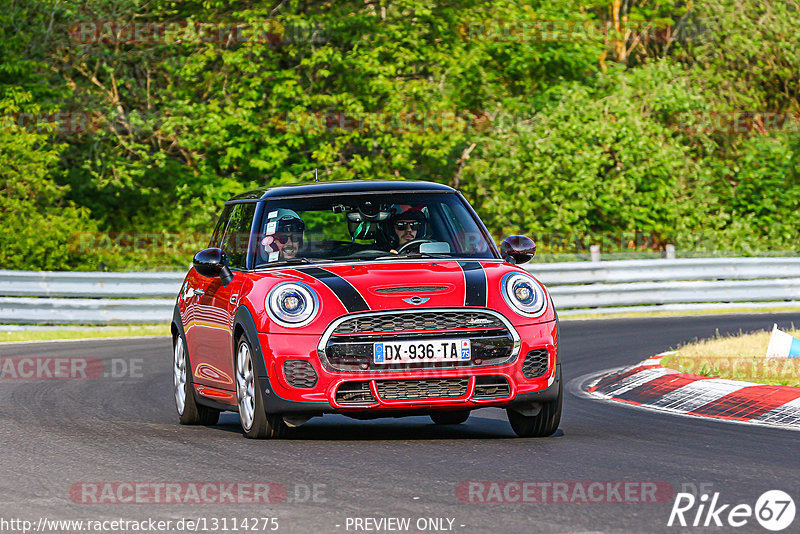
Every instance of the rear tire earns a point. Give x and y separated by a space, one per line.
256 422
544 424
450 418
189 411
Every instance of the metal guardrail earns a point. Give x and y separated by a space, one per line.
577 288
95 285
553 274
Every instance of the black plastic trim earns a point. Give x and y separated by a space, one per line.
545 395
199 399
338 188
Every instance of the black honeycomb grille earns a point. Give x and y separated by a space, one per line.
536 363
404 322
354 393
422 389
299 373
491 387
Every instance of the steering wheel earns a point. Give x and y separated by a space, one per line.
413 242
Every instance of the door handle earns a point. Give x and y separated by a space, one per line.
191 292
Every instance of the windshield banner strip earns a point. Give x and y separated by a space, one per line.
349 295
474 283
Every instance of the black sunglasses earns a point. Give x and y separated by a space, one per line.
284 238
414 225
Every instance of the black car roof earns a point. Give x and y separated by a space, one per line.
337 188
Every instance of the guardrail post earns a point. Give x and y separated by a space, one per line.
670 252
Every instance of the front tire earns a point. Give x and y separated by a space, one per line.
544 424
189 412
256 422
450 418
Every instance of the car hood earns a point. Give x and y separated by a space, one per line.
386 286
414 284
400 285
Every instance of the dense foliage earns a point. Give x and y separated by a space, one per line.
126 123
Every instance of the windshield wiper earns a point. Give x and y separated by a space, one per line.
413 255
294 261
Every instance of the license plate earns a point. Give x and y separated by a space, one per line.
450 350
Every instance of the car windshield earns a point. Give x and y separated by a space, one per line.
362 226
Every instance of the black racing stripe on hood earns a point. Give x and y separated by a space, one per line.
474 283
350 297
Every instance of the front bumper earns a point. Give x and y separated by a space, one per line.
281 397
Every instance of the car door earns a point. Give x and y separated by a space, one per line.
191 294
218 303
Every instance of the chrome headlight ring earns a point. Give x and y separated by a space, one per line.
523 294
292 304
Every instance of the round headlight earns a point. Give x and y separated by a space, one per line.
523 294
292 304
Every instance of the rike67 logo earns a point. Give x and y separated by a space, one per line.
774 510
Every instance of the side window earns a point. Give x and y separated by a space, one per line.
237 234
219 229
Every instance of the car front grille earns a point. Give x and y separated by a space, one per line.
491 387
354 393
348 344
536 363
436 388
416 321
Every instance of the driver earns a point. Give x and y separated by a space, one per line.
285 238
406 227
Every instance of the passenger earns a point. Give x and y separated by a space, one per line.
286 238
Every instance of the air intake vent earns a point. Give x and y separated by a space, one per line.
299 373
354 393
411 289
491 387
422 389
536 363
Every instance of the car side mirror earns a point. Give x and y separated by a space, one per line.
517 249
212 262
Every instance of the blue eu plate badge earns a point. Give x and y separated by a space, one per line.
465 349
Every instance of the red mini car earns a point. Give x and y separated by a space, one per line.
367 299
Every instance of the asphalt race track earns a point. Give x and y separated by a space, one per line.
59 433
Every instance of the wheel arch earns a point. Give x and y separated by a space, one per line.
244 324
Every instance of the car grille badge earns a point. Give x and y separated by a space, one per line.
416 300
